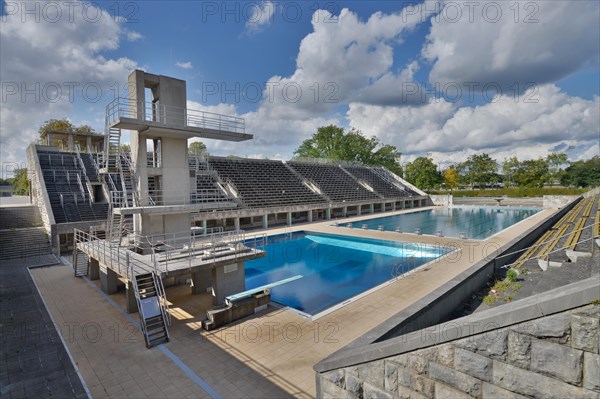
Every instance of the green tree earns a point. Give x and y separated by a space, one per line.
125 147
481 170
196 147
556 161
20 183
582 173
451 178
422 172
531 173
509 168
331 142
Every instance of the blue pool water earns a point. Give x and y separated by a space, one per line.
475 222
334 268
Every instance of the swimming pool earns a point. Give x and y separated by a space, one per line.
475 222
334 268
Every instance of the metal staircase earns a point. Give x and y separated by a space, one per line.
80 263
127 180
153 308
112 148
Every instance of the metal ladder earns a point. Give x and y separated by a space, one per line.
80 263
152 306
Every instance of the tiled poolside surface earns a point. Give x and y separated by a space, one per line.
268 355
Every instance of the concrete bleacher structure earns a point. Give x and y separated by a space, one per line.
234 190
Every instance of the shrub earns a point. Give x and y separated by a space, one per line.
512 275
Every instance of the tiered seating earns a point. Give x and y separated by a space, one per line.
567 233
382 187
387 175
333 182
264 183
207 182
60 172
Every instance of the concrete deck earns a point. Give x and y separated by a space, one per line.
270 354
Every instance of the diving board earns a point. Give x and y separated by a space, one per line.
262 288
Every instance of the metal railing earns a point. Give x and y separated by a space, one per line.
165 198
172 116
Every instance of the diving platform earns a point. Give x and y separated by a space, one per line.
215 262
161 120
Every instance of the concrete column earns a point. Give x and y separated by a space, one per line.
130 301
345 211
328 214
204 226
94 269
70 142
393 206
236 223
359 210
372 208
289 218
265 221
412 203
108 281
88 143
310 216
227 280
202 280
383 207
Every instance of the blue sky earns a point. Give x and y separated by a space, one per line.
390 69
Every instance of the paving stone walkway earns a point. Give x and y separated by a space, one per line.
34 362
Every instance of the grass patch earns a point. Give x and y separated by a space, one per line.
518 192
509 298
501 285
516 286
596 302
489 299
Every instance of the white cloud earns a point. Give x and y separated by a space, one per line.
512 42
48 68
261 16
506 126
185 65
133 36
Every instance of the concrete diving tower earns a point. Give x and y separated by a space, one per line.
165 114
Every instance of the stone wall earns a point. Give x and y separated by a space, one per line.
555 356
441 200
558 201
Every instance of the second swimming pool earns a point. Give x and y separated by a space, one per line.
474 222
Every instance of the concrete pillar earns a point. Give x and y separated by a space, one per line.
328 214
289 218
383 207
204 227
108 281
412 203
345 211
202 280
130 301
359 210
393 206
310 216
88 143
265 221
94 269
227 280
70 142
236 223
372 208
